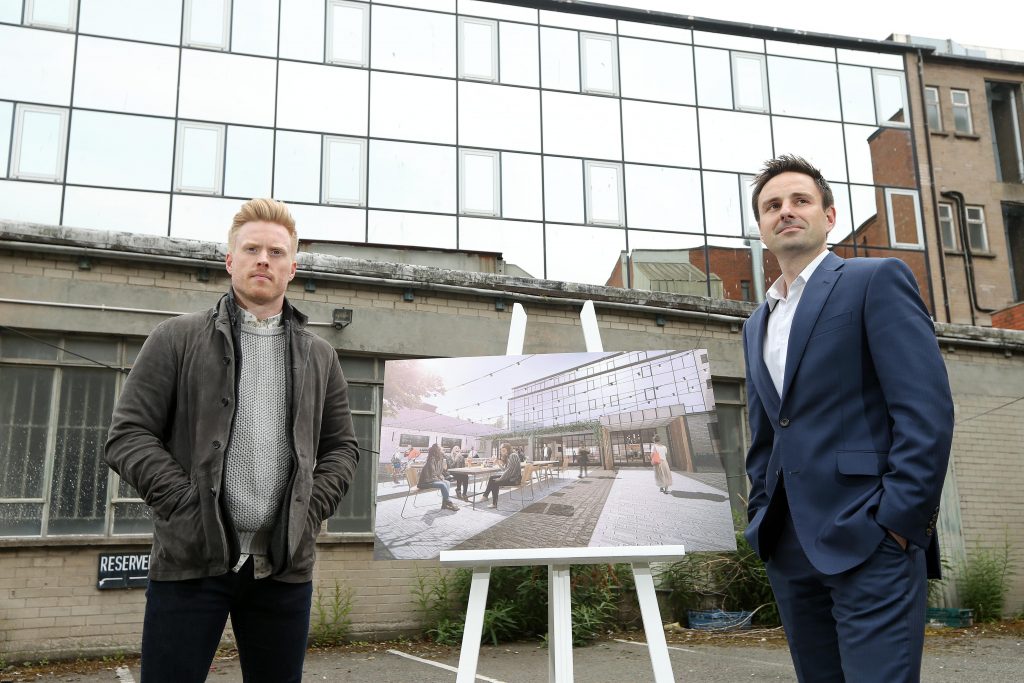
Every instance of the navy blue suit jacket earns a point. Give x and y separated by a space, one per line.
862 430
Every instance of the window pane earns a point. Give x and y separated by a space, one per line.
480 183
858 95
335 223
30 202
675 142
93 350
206 23
358 367
521 186
361 397
118 150
563 190
6 124
604 194
904 220
347 28
890 98
327 99
734 141
51 13
412 177
157 21
35 65
478 51
519 54
40 346
200 157
353 513
78 489
582 126
722 209
10 11
248 162
946 224
559 59
133 518
24 421
749 82
604 245
656 71
226 87
297 167
344 161
820 142
413 229
254 27
498 117
302 30
520 244
139 212
39 145
128 77
713 78
413 42
600 73
788 79
412 108
663 198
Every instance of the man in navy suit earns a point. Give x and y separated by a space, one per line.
851 421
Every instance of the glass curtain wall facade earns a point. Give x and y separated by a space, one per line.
570 143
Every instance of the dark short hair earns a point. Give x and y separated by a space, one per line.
790 163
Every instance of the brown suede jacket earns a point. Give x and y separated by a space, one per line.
172 425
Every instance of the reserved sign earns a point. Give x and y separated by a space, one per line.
122 570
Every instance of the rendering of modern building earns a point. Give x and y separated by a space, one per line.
445 159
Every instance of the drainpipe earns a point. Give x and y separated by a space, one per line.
961 212
935 202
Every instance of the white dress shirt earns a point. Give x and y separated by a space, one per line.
782 303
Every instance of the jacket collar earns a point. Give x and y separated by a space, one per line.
227 310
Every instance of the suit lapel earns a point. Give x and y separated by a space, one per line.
759 371
815 294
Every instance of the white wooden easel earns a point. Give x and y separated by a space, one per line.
558 560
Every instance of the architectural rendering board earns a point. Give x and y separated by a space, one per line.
587 428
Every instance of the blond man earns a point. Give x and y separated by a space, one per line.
234 427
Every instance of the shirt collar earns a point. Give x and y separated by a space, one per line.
775 293
252 321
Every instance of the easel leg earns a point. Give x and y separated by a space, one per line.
559 624
474 627
656 645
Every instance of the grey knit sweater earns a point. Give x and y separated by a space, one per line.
258 461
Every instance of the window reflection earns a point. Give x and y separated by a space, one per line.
412 177
582 126
498 117
521 244
734 141
662 262
656 71
138 212
414 229
156 21
227 88
412 41
322 98
521 189
599 64
348 26
890 98
519 54
297 167
248 162
722 210
790 78
858 94
59 14
660 133
39 137
35 65
844 213
302 30
664 198
412 108
563 252
30 202
750 83
128 77
6 124
559 59
254 30
714 77
117 150
903 215
563 190
820 142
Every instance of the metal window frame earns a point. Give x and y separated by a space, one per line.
875 74
179 156
20 110
936 105
763 65
953 92
492 24
949 220
71 26
588 165
364 8
584 71
325 196
915 195
983 248
495 158
186 28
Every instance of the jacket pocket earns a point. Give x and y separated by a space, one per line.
182 536
864 463
834 322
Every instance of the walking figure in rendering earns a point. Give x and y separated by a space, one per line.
583 458
659 458
851 421
433 476
511 474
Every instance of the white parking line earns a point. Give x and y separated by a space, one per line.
439 665
708 654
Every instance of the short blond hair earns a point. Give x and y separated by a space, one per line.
269 210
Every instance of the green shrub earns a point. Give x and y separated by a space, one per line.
983 582
517 602
730 581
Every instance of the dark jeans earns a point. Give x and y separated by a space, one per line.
185 620
461 484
